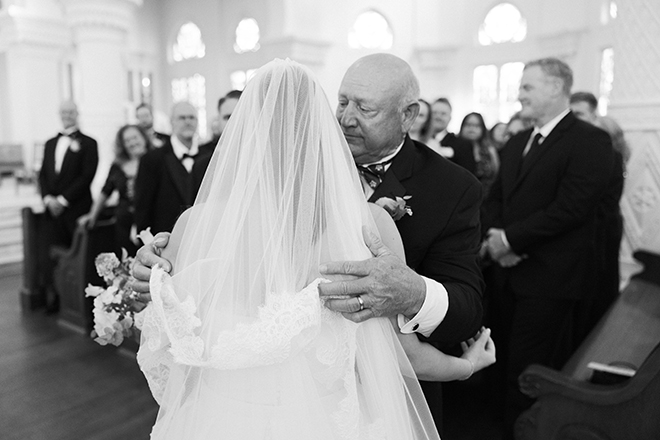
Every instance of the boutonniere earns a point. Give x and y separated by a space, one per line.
74 146
397 207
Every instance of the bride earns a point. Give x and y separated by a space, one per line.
236 344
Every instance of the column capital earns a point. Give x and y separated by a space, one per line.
107 14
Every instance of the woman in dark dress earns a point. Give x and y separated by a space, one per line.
473 129
130 145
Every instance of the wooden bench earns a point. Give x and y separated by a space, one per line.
11 161
74 270
569 406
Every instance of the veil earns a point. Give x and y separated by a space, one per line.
236 343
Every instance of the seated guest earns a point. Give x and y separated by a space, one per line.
422 125
169 177
473 129
445 143
498 135
131 144
226 106
68 168
145 118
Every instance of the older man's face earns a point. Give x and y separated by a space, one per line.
440 116
68 114
184 121
369 115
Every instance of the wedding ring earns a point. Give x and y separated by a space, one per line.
361 301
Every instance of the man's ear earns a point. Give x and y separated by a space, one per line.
409 115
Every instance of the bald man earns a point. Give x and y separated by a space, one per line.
68 168
169 177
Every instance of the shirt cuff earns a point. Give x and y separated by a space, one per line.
505 241
430 315
62 201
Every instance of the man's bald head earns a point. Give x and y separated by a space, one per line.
378 102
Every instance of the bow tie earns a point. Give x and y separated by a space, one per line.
188 156
373 174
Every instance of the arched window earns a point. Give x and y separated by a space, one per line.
240 78
606 79
371 31
247 36
495 90
188 43
193 90
503 24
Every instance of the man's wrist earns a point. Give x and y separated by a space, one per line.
420 286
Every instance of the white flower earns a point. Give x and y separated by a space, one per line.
93 291
396 208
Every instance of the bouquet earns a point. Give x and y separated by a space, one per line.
115 306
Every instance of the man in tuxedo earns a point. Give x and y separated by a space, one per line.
169 177
448 144
226 106
541 219
145 120
68 168
438 293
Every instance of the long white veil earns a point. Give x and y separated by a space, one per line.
236 344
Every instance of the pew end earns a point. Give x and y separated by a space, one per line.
569 406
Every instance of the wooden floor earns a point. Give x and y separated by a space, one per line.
57 384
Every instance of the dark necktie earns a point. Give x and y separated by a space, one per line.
373 174
526 159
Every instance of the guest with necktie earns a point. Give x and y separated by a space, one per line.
169 177
68 168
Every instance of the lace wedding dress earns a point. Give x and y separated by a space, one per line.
237 344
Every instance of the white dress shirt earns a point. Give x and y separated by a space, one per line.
180 149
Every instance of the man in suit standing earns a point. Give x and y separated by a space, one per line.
169 177
447 144
68 168
226 106
438 293
145 120
541 219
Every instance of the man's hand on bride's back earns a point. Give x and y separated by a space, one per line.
384 284
147 257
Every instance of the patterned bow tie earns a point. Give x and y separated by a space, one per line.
373 174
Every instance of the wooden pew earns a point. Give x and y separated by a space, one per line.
569 406
75 269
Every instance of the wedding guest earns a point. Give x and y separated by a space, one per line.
226 106
498 135
438 290
145 118
131 143
604 289
422 125
540 218
68 168
487 162
516 124
168 178
445 143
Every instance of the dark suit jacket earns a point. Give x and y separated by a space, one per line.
548 208
164 189
441 238
463 154
75 177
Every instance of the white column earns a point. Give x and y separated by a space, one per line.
636 106
32 44
99 29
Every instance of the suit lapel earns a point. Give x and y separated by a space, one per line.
555 135
179 175
400 170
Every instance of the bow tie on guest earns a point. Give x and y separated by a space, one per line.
373 174
188 160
